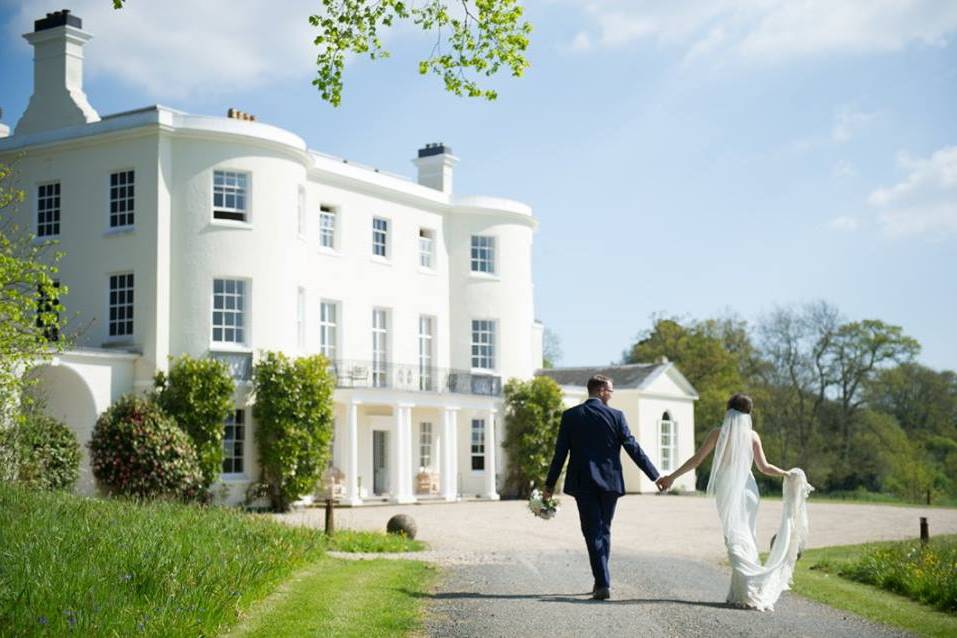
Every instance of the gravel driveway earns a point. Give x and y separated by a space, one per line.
509 574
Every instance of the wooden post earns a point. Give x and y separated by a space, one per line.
924 533
330 522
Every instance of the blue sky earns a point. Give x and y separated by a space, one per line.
693 158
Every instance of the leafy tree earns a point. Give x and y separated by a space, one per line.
533 412
551 348
30 313
471 38
923 400
294 424
198 394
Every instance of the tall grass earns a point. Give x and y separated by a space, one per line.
117 568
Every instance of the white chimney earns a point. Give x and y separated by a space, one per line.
58 99
435 163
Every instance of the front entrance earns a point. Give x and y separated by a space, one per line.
380 455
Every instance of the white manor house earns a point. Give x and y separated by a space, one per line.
224 237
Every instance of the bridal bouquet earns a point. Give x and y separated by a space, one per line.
542 507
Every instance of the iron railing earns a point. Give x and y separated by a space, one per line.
411 377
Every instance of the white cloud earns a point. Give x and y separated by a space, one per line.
844 168
768 31
848 122
925 202
176 48
844 224
582 42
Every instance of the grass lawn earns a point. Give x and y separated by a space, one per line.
95 567
816 577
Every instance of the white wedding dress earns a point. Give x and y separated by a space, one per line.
752 584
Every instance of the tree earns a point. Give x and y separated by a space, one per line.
30 314
198 394
922 400
471 38
533 412
551 348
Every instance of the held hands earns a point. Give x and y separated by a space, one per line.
664 482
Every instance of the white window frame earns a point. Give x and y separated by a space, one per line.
477 442
484 350
667 442
482 255
380 347
245 313
385 244
327 212
242 422
128 286
301 223
126 199
328 348
245 210
427 248
426 343
301 318
426 441
55 224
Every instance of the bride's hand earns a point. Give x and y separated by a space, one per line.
664 482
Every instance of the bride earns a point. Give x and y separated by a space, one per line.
736 446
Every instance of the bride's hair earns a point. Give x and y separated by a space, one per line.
741 403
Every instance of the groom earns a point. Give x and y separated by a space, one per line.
594 434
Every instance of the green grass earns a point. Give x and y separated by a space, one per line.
97 567
372 542
332 597
817 576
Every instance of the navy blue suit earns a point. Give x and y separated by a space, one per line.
594 434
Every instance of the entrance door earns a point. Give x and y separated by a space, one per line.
380 455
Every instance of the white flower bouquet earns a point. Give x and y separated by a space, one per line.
541 507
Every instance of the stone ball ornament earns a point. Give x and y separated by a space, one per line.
402 524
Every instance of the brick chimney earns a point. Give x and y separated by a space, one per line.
58 99
435 163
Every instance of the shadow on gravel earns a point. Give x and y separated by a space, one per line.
564 598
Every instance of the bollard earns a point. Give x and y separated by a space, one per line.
924 533
330 522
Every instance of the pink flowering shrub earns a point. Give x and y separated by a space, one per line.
137 450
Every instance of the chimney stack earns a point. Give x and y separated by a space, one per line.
58 99
435 163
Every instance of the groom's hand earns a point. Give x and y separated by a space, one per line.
664 483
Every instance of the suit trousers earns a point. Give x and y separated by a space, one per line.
595 511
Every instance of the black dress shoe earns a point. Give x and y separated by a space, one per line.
601 593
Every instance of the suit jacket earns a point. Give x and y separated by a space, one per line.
594 434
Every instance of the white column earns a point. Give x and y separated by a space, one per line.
450 455
490 444
402 457
351 454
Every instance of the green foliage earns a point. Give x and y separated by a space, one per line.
533 413
77 566
48 453
137 450
198 394
294 423
371 542
927 574
551 348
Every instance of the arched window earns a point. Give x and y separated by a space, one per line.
667 442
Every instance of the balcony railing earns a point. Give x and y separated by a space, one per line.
397 376
240 363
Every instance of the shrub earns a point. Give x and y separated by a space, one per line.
533 412
137 450
294 423
48 454
198 395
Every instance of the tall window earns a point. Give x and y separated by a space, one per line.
121 199
426 247
301 211
301 318
46 308
425 446
380 237
478 444
230 195
327 227
483 344
380 347
48 209
234 438
229 311
483 254
668 442
121 305
425 352
328 320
